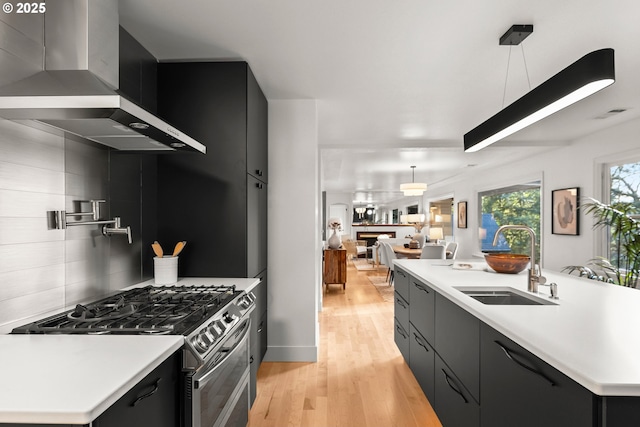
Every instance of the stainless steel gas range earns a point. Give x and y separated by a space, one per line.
215 321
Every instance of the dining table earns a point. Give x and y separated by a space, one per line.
409 252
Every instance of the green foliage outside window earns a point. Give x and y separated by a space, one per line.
519 207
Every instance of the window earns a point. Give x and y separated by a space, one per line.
624 187
517 204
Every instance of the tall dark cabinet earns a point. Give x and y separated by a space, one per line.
217 202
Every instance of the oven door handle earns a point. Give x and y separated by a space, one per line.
229 352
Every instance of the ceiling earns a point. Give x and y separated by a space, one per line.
398 83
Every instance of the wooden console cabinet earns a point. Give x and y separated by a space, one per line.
335 267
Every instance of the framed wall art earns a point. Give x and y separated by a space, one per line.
564 215
462 214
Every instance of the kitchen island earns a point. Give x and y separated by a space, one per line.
588 339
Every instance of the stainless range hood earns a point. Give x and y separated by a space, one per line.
77 91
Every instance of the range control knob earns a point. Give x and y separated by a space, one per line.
201 342
245 302
228 317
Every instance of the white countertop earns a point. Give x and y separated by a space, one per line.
592 335
73 378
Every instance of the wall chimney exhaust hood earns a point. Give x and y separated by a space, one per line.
78 89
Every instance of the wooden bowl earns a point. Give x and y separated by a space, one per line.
507 263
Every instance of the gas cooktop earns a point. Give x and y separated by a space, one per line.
176 310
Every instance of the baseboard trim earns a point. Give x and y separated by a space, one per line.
291 354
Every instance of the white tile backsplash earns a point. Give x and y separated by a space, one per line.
30 281
44 270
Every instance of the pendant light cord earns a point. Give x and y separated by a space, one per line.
506 77
526 69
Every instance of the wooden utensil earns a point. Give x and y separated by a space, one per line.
157 249
179 247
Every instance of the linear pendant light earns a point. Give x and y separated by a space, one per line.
586 76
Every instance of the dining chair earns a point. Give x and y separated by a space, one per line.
451 250
350 246
433 252
390 255
382 254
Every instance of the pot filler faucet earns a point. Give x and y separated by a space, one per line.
57 220
535 272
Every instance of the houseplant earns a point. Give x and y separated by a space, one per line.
620 219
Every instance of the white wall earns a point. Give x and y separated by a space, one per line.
574 165
294 238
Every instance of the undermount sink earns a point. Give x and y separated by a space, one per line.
503 296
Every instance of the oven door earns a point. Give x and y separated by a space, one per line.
219 391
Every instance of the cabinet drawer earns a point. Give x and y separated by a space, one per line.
458 343
401 310
262 335
401 282
401 338
153 401
422 315
260 292
513 379
422 359
454 405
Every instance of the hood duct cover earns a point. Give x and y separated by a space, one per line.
77 91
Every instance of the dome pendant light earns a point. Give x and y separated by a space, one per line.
413 188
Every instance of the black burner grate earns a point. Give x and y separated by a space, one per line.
148 310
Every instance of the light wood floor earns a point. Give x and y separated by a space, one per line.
360 379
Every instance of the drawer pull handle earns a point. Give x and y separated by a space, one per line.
400 303
258 186
522 365
420 343
401 332
447 379
152 392
260 326
422 288
259 172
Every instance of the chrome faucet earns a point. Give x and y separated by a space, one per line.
57 220
116 229
535 272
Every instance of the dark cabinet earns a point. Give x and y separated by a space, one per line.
421 362
401 282
619 411
256 226
138 70
154 401
257 154
258 337
423 317
401 338
458 343
401 313
216 201
401 310
513 380
453 403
